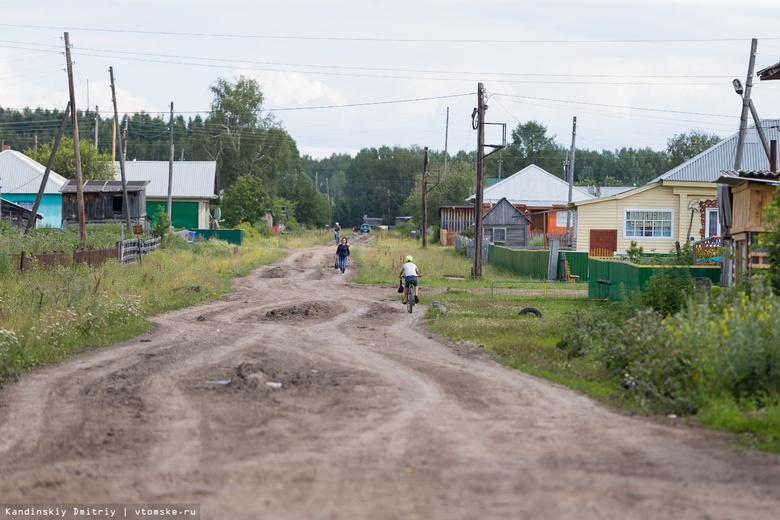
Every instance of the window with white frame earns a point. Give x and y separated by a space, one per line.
648 223
712 223
499 235
560 218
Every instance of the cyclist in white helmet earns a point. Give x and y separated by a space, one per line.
409 273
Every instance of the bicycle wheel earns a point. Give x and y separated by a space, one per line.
410 298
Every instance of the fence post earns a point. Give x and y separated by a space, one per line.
21 261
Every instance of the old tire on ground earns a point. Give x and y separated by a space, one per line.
531 310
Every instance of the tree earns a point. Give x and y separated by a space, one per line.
682 147
530 145
245 201
94 165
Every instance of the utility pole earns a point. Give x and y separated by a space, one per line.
745 106
425 199
49 166
570 176
479 125
446 138
170 168
76 150
327 190
125 205
97 124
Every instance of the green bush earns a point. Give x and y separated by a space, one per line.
666 291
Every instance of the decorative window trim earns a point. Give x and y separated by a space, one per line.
496 240
653 223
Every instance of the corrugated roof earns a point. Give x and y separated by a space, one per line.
21 175
532 186
104 186
706 166
734 177
191 179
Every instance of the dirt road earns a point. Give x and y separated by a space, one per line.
375 419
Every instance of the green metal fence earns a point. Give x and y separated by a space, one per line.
617 279
533 263
232 236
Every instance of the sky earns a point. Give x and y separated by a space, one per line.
343 75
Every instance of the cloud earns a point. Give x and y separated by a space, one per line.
282 89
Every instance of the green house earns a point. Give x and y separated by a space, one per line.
192 190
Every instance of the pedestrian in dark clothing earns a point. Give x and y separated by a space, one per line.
342 253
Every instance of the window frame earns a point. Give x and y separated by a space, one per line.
502 229
627 211
708 221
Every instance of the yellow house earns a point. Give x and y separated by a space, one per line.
655 215
674 207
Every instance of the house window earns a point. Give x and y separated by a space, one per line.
117 204
648 223
499 235
712 223
560 219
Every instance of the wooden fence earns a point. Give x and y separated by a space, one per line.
127 251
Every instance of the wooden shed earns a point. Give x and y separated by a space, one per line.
17 215
104 202
504 224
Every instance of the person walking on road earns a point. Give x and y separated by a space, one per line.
337 232
342 253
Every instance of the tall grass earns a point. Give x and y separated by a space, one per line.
46 314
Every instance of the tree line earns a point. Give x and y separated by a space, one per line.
260 170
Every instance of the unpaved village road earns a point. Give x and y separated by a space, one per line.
375 419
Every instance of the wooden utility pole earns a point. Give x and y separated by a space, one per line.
125 204
479 125
327 191
170 168
425 199
76 150
49 166
97 124
446 138
570 178
745 106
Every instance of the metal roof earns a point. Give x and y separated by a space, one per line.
706 166
532 186
104 186
191 179
734 177
20 174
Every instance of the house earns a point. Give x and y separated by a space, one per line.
748 194
542 197
16 214
20 180
104 201
192 190
505 225
676 206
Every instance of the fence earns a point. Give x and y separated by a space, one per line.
616 279
468 245
126 251
535 263
135 248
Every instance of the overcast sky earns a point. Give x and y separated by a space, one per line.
341 75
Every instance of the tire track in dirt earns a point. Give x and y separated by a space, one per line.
375 418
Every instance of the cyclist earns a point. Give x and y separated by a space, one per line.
409 273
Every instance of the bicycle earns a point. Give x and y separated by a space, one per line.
410 296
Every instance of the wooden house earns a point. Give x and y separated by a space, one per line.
503 224
193 189
17 215
104 202
749 192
